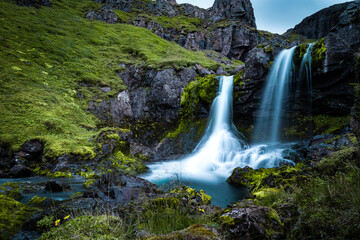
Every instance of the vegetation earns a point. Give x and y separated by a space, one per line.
12 216
48 51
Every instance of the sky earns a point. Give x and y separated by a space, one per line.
277 16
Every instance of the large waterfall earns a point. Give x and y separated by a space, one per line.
268 122
216 154
223 148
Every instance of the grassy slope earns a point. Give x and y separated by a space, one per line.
45 52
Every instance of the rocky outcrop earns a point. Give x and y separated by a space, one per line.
151 95
321 23
105 14
228 27
238 10
333 81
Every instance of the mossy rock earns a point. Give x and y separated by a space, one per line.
195 197
13 214
318 54
36 201
285 177
251 222
200 92
299 54
339 161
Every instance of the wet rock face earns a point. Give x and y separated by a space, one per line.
332 83
239 10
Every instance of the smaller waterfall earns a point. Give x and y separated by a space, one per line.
268 122
306 64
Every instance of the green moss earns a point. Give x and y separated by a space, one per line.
35 201
299 53
329 124
171 213
181 23
128 164
190 194
201 90
318 54
88 183
40 70
40 171
339 161
321 124
226 221
89 227
206 199
12 216
269 49
285 177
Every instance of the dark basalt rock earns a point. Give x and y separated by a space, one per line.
151 95
122 188
54 186
20 171
239 10
33 147
320 24
252 222
34 3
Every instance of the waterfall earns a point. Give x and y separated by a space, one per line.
306 64
305 75
214 156
221 149
268 122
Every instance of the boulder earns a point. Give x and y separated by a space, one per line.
252 222
33 147
105 14
122 188
202 71
20 171
54 186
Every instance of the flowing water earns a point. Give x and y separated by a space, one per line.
221 149
32 186
268 123
306 64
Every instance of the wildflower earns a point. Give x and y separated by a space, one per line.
57 222
201 210
66 217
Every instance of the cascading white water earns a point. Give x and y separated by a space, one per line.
268 122
221 149
306 64
214 156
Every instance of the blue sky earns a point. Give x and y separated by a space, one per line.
278 15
